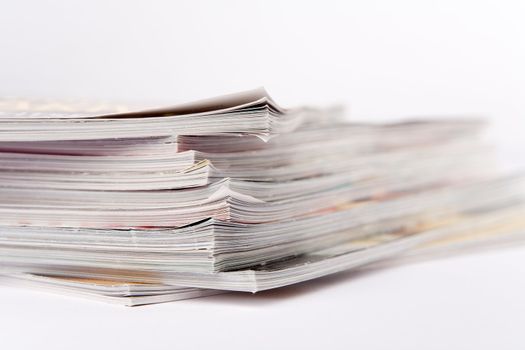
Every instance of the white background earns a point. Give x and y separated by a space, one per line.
384 59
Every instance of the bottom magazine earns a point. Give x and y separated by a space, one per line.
490 228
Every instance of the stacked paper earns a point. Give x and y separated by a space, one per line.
235 193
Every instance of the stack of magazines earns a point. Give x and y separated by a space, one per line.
235 193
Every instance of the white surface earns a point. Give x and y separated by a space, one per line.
386 59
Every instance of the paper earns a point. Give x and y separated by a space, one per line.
236 193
